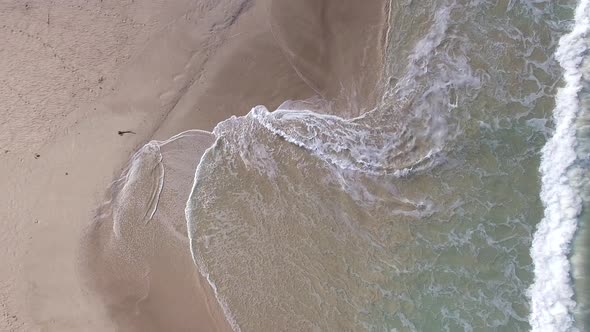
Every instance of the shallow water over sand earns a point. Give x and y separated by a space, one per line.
420 194
418 215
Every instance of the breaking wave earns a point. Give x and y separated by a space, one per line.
552 293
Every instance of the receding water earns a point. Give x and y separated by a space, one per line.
419 215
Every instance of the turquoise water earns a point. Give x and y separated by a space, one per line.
450 206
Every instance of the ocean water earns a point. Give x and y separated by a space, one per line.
456 204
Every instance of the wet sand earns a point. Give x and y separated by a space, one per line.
138 263
154 68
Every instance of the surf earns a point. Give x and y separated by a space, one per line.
552 293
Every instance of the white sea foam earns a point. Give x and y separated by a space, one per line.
354 143
552 292
346 144
422 54
189 213
394 148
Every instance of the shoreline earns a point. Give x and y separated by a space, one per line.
52 190
177 75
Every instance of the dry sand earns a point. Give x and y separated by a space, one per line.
75 73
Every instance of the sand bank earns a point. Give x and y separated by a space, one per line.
78 73
59 155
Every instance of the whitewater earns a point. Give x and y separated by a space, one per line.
416 137
562 170
454 200
436 179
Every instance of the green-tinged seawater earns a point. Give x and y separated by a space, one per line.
417 216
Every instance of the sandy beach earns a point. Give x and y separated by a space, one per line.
76 74
293 165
